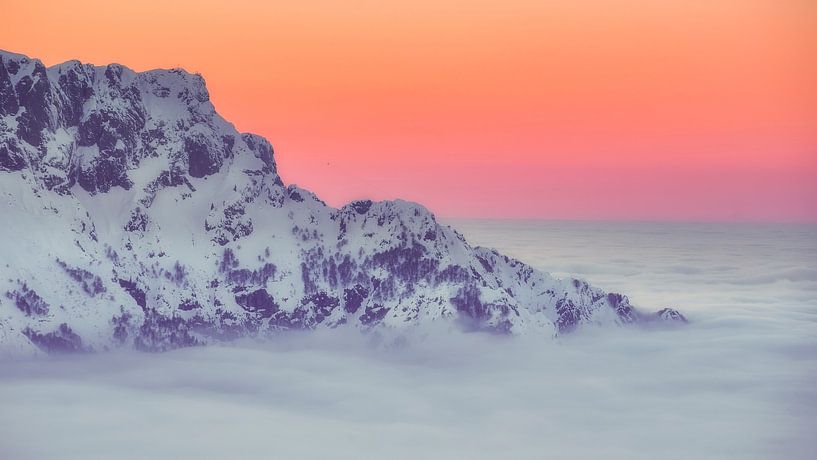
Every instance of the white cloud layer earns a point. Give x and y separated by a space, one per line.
739 382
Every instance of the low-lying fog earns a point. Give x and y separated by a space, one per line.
740 381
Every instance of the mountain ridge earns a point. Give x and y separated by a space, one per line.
138 217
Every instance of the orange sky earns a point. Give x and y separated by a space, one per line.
606 109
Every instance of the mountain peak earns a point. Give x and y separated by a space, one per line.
137 216
92 126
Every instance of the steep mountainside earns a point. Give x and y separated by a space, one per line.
134 215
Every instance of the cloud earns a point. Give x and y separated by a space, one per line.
683 393
740 381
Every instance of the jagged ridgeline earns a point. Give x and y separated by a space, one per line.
135 216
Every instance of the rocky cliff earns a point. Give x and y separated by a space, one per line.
133 215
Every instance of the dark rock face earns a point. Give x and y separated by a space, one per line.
245 277
259 302
62 340
263 150
76 89
138 221
669 314
91 284
116 135
353 298
373 314
204 160
11 158
409 263
295 195
133 290
34 95
361 207
8 97
569 315
172 178
476 315
28 301
121 326
105 173
189 305
161 333
233 226
322 304
622 306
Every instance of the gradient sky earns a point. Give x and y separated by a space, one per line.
606 109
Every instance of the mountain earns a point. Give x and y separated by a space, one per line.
135 216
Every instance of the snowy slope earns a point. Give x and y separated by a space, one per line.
134 215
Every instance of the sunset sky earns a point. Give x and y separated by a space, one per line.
606 109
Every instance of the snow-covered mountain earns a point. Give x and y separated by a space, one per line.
134 215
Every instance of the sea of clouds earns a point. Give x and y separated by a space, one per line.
740 381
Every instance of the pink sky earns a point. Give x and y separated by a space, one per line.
603 109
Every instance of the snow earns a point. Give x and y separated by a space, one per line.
167 232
